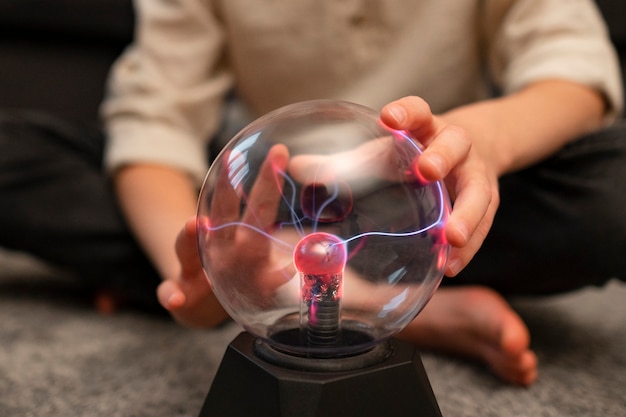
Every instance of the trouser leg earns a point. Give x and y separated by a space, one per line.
56 203
561 224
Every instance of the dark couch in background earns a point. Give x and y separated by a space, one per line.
55 54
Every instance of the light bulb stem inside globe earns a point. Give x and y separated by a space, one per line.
322 308
321 258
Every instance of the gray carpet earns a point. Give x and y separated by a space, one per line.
60 358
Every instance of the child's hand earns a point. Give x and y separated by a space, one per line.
189 298
450 156
235 246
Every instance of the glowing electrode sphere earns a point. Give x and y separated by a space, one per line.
320 254
317 232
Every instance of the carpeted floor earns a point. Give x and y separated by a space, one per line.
60 358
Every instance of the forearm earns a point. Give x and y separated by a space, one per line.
156 200
518 130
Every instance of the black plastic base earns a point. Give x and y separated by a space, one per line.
246 385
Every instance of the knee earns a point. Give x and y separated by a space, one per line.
20 130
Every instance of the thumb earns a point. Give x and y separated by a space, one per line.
170 295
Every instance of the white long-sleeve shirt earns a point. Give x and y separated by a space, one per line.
166 92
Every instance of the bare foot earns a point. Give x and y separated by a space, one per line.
476 323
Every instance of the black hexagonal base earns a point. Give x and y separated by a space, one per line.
246 385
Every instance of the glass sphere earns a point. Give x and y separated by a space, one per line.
317 232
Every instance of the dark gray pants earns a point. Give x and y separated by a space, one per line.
561 224
57 204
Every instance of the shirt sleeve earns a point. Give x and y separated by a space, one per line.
555 39
165 92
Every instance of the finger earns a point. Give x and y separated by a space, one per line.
473 198
469 223
225 204
449 148
170 296
460 257
187 249
266 193
375 158
412 114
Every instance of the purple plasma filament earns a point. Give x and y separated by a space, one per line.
321 259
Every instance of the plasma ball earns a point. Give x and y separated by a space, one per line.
320 254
